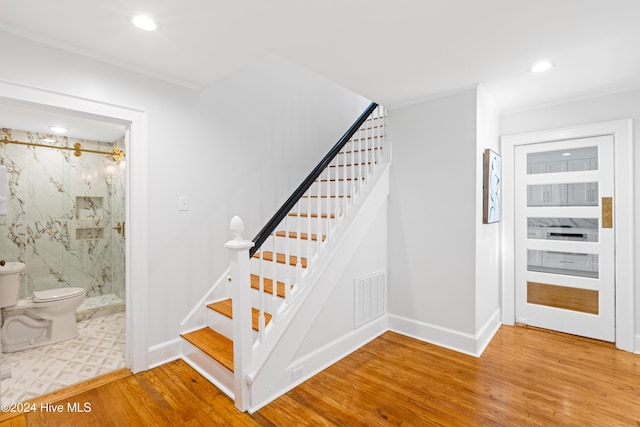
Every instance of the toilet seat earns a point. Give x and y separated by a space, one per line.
56 294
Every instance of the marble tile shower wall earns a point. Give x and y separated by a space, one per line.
61 214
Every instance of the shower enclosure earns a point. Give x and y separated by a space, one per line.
65 216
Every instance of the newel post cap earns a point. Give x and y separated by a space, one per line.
237 228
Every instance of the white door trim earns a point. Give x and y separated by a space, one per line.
136 215
622 131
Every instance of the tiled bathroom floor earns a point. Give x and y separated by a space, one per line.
99 349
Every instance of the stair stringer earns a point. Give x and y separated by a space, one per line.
271 376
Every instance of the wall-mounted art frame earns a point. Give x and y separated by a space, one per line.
492 167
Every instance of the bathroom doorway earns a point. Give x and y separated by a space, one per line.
63 218
135 243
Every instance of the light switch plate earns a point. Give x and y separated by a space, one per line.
183 203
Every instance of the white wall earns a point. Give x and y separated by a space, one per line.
487 235
256 137
432 212
612 107
209 146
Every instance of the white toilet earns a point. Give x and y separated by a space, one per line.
46 318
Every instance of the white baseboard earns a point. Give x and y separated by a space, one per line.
486 333
636 344
455 340
458 341
164 353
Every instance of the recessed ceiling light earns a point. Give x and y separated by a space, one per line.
144 23
541 66
566 154
57 129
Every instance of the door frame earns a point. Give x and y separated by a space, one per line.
136 204
622 131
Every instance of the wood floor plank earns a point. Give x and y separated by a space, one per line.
132 391
525 377
75 389
218 405
124 413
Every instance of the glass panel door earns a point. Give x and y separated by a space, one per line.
564 257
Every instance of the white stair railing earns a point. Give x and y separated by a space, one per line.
353 168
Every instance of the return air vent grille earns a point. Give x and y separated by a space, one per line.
369 298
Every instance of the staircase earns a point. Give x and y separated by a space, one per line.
272 275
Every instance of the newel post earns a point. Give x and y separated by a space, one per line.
241 306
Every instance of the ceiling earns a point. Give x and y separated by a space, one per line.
38 118
394 53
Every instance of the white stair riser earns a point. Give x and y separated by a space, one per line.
359 156
341 188
223 325
291 221
220 323
306 222
349 171
281 270
296 247
271 304
212 370
305 225
370 144
326 205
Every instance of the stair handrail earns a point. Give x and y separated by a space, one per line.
281 213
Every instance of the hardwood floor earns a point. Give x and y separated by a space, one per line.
526 376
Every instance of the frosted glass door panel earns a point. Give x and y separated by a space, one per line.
572 229
570 160
576 194
570 264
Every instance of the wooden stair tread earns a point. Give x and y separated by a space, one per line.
369 138
339 180
215 345
225 308
363 150
281 258
268 286
306 215
303 236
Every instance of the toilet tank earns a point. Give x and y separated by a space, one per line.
10 275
